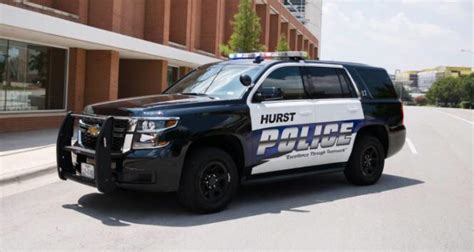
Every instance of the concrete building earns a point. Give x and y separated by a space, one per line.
308 12
427 77
60 55
409 79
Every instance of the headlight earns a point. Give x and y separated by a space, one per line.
148 132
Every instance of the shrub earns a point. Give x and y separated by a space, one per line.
421 100
466 105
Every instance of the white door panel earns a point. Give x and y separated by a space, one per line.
334 110
276 120
281 113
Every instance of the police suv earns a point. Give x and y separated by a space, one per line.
254 118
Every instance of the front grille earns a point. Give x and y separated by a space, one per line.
89 141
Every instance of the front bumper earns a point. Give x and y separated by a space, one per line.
152 170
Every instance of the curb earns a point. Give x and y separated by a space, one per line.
18 178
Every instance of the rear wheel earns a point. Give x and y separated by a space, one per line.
209 180
367 160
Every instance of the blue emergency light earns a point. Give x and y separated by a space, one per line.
269 55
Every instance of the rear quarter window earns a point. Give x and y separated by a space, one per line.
378 82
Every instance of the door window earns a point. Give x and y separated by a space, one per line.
287 80
327 83
347 89
378 82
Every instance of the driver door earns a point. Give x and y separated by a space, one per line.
279 109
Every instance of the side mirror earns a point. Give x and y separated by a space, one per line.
268 94
245 80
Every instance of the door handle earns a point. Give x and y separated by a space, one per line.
305 113
352 109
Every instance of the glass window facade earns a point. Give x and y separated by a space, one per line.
32 77
173 75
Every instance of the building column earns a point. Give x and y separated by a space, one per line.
102 70
292 39
195 21
142 77
274 32
315 53
180 23
76 79
284 31
83 11
208 25
78 7
311 51
231 8
105 14
157 21
306 45
299 42
221 19
263 11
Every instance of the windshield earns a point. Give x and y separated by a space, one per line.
218 80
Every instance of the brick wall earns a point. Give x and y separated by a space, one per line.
198 25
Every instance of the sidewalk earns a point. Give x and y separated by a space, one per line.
27 154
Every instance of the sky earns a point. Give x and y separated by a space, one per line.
399 34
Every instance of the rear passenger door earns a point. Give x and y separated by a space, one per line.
338 112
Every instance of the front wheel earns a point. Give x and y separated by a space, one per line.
209 180
367 160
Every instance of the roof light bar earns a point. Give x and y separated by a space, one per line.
269 55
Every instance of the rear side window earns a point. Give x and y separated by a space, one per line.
347 88
378 82
288 80
326 83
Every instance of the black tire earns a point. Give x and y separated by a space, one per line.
366 162
209 180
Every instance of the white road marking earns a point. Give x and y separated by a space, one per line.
457 117
28 184
13 152
411 146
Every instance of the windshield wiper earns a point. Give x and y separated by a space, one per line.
198 94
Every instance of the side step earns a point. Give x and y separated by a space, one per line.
293 174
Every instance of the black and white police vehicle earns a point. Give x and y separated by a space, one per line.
256 117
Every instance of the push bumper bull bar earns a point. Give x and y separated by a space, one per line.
103 180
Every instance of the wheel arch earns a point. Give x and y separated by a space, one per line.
229 143
379 131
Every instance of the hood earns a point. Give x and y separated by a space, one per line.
136 105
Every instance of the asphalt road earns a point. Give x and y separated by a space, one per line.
424 200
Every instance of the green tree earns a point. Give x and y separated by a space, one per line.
467 83
448 91
246 34
38 61
282 44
